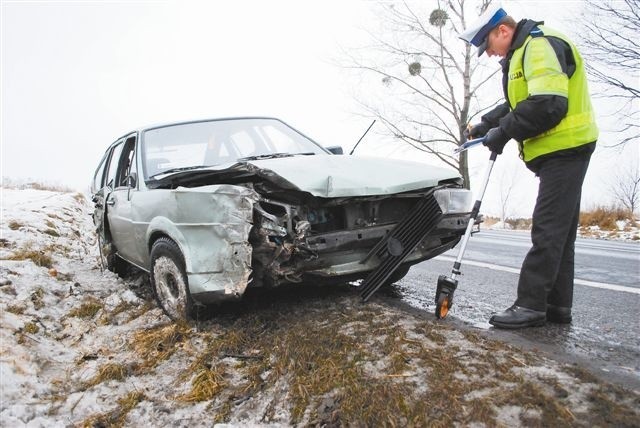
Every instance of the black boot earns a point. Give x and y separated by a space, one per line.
558 314
518 317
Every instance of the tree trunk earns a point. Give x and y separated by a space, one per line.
463 169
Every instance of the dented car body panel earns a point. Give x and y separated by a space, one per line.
346 176
210 224
254 202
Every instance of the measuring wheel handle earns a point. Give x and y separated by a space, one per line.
444 295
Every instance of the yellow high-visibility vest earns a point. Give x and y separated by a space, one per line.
540 74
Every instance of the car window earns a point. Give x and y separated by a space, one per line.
99 176
244 144
125 163
215 142
279 141
113 165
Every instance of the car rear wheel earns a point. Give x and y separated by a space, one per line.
169 280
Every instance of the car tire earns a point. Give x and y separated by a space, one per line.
169 280
397 275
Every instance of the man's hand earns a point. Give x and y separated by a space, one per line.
496 140
476 131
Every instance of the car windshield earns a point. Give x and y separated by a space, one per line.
192 145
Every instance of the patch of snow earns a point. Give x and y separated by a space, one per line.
501 225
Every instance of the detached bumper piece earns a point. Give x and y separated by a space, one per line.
394 248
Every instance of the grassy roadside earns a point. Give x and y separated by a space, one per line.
598 222
320 357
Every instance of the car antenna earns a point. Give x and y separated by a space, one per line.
365 133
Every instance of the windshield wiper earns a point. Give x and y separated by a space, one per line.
266 156
182 168
273 156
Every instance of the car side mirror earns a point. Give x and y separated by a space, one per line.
336 150
132 180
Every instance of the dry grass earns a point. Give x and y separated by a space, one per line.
52 232
40 258
155 345
141 310
31 328
336 364
613 406
15 225
109 371
368 383
110 316
206 384
37 298
17 309
118 416
88 309
604 217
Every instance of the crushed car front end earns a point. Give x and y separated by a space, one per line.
333 239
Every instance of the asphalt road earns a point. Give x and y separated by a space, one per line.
605 333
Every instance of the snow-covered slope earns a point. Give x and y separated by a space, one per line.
81 347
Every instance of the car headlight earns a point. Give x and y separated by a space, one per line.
454 200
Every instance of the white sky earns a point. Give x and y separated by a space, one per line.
78 74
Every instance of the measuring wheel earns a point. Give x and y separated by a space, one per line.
443 304
444 295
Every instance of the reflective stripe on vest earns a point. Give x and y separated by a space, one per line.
540 74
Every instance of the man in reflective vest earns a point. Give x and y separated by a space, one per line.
548 112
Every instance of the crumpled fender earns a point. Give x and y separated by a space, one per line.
211 225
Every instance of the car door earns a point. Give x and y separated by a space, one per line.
98 195
122 182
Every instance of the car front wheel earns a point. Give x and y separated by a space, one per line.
396 276
169 280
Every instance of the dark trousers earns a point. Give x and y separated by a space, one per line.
547 271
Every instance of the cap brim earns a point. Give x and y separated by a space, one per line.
482 47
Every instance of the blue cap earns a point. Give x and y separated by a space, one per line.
476 34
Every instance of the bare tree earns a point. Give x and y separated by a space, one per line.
611 48
506 187
429 79
626 188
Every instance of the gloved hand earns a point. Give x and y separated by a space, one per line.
496 140
476 131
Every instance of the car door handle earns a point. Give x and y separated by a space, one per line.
111 202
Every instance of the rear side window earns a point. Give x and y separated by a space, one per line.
98 177
126 164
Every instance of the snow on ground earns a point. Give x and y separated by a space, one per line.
626 231
81 347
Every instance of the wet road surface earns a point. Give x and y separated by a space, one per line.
605 333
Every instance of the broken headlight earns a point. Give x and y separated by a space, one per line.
453 201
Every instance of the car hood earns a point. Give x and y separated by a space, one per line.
333 176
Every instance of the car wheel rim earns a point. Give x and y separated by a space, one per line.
170 287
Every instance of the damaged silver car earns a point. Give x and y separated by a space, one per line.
209 208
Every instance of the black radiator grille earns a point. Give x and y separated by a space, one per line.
394 248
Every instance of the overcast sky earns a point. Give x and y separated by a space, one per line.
78 74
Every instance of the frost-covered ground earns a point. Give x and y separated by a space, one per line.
81 347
